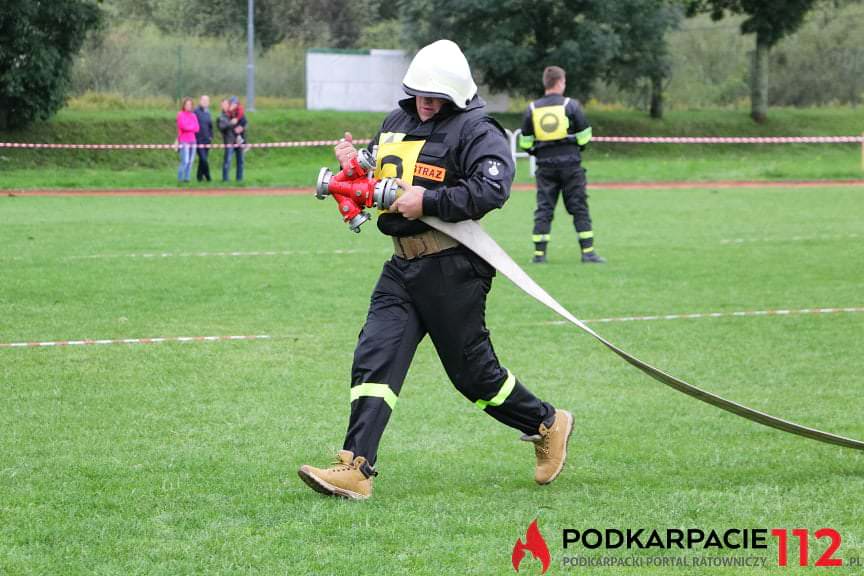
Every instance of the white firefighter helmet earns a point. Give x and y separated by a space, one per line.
440 70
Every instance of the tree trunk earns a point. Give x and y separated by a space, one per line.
4 124
759 81
656 97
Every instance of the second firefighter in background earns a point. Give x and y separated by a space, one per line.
555 131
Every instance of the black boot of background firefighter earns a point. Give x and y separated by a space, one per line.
586 246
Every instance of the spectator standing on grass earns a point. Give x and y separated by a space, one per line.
232 124
204 136
187 128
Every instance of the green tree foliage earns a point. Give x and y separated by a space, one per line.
770 21
385 34
215 18
345 19
509 42
336 23
642 26
38 41
824 64
229 18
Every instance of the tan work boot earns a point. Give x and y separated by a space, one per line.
550 446
343 478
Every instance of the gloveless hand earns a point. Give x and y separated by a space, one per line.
345 151
410 203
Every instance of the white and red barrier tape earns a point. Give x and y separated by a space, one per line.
731 139
293 144
610 139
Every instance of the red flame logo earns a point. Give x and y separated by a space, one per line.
535 544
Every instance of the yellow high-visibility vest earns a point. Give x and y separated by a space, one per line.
550 122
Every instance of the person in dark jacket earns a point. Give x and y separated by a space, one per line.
204 136
453 162
232 124
555 131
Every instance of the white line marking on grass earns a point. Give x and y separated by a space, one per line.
104 342
751 313
191 339
152 255
735 241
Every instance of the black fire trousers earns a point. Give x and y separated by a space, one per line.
203 172
568 179
443 295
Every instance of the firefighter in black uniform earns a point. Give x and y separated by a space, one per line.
453 162
555 131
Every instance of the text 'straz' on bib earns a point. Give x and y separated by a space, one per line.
429 172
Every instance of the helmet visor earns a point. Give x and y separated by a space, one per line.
425 94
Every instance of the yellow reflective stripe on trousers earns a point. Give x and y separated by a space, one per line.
502 394
541 237
583 137
586 235
376 391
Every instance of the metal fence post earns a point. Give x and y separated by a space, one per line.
179 72
250 58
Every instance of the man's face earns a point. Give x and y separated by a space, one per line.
205 101
224 105
428 107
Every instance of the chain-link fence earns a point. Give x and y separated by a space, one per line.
822 64
144 63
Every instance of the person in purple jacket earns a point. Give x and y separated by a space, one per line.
187 128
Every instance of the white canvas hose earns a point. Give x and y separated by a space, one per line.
475 238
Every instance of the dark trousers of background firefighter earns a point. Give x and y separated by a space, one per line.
566 178
443 295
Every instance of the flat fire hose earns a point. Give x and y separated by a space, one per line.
471 235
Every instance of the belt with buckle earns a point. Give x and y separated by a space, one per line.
425 244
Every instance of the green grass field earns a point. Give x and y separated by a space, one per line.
181 458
